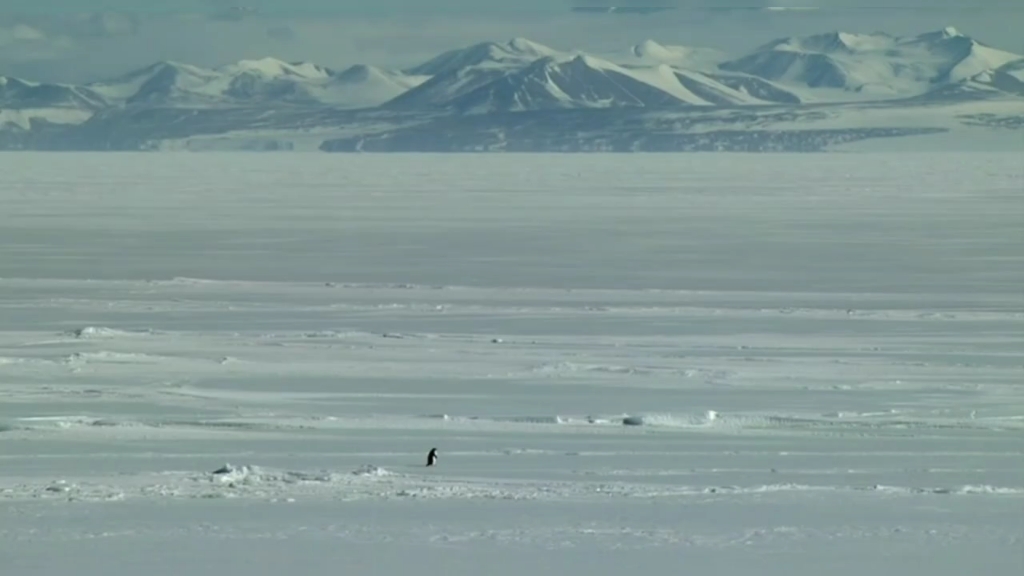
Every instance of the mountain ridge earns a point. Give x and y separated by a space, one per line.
841 71
877 64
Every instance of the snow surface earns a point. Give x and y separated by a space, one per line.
770 364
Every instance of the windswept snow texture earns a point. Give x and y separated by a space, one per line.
215 365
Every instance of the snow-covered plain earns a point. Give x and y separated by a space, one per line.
702 364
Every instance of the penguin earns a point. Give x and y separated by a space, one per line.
432 457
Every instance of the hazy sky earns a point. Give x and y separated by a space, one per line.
294 7
77 40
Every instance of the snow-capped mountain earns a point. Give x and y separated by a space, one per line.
588 82
522 76
872 65
515 53
160 83
521 95
256 81
20 94
23 102
456 73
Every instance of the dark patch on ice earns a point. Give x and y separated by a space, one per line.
60 486
672 421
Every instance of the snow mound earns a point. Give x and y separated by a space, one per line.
227 473
70 422
112 357
370 470
61 487
526 419
965 490
246 475
670 421
91 331
103 332
987 489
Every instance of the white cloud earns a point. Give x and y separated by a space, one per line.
23 32
27 45
19 34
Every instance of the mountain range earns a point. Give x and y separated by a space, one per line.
797 93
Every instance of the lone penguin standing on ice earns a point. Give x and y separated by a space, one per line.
432 457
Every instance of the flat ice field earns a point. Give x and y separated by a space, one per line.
653 364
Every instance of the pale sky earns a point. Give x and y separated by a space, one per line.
61 40
350 7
